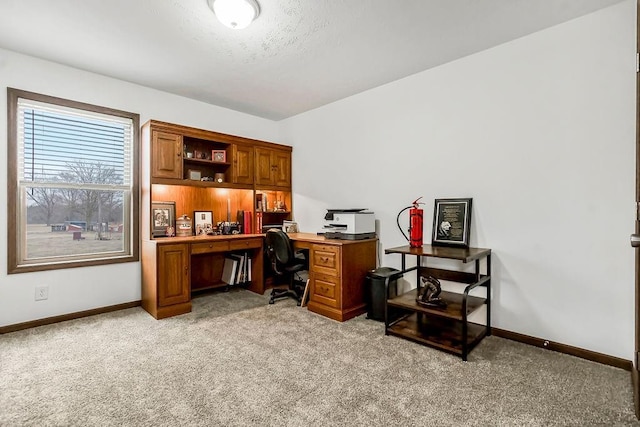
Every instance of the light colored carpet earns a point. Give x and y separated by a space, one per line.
236 360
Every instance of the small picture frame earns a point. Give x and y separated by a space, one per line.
194 175
451 222
289 226
163 216
202 222
219 156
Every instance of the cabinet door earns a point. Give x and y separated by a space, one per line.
282 168
173 274
242 165
264 167
166 155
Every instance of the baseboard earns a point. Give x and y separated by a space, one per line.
566 349
64 317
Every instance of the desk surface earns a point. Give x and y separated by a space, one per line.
458 253
314 238
205 238
306 237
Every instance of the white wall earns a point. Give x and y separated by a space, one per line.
540 132
81 289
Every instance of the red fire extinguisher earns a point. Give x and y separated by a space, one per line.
415 223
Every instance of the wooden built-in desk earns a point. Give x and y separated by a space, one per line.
337 273
174 267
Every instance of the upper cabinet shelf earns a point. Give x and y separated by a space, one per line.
194 155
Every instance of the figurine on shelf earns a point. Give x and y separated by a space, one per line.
429 294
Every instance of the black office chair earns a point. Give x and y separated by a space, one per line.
287 264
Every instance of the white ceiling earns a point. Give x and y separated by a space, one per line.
298 55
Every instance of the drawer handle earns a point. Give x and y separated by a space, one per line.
324 259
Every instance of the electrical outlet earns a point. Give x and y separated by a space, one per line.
42 293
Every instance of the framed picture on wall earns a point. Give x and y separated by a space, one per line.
451 222
163 217
202 222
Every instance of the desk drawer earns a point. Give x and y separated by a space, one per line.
326 290
238 244
209 247
326 260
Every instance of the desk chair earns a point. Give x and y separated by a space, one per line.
286 263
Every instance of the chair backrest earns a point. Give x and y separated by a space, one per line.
279 248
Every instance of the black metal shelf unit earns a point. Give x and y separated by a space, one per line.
446 328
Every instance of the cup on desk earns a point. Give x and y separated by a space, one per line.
189 155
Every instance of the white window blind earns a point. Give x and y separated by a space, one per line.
59 144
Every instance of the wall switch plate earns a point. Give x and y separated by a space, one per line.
42 293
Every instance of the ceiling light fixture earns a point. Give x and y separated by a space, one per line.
236 14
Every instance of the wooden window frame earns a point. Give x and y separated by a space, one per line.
15 264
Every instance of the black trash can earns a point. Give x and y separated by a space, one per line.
375 290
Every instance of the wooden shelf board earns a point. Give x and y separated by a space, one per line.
196 287
194 183
463 254
452 311
441 334
204 162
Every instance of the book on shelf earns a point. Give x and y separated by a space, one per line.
258 222
229 270
237 269
240 274
248 223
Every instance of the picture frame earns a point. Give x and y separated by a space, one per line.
202 222
163 215
289 226
219 156
451 222
194 174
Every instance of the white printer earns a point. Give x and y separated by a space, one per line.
349 224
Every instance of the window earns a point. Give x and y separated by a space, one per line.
72 184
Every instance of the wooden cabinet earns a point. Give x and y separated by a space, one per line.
444 327
165 278
242 164
273 167
173 274
179 165
337 274
174 268
166 155
282 169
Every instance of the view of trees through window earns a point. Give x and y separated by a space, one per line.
74 179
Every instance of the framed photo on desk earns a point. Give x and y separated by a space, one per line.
202 222
163 215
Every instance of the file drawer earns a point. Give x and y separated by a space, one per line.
326 290
326 260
